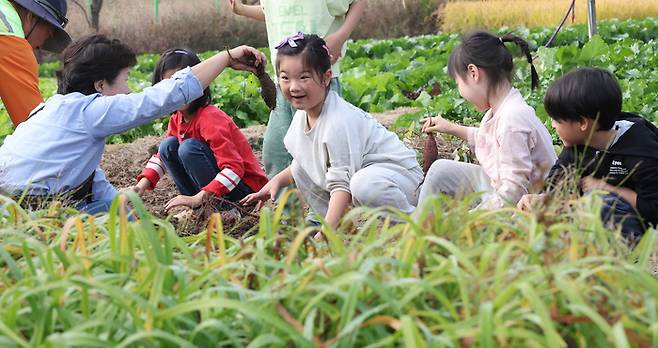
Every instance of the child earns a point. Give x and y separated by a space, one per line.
332 19
57 151
513 147
613 151
203 148
341 155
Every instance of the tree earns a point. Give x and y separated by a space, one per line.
93 10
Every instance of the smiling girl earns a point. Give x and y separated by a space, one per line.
341 155
513 147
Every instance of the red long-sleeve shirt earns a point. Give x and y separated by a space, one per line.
235 159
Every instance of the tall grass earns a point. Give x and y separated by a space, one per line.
489 14
447 277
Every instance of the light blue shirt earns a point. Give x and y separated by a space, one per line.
59 147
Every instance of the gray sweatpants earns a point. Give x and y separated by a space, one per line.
456 179
377 185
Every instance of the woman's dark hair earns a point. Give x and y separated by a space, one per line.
90 59
586 92
312 48
488 52
176 59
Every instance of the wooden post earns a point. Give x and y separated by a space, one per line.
591 17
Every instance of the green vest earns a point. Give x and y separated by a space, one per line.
10 22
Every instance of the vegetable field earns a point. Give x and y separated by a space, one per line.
381 75
448 276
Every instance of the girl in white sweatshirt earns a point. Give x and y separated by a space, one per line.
341 155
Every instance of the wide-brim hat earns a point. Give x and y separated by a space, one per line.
53 12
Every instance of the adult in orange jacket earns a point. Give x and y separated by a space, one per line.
26 25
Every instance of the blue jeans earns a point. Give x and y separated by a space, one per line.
98 207
192 165
94 207
618 211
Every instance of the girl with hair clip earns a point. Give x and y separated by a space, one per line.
334 20
512 146
341 155
204 151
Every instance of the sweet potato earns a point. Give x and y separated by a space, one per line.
267 86
430 152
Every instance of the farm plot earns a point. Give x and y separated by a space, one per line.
447 276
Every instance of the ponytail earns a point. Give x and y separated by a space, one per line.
534 77
488 52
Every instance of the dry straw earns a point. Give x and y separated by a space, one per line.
465 15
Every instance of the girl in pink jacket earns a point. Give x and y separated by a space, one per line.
512 146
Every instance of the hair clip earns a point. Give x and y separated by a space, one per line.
326 48
290 40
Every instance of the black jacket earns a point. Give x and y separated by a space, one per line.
632 162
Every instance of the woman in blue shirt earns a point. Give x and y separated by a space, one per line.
57 151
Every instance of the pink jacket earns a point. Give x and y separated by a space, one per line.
514 149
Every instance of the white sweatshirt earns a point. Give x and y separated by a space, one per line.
343 140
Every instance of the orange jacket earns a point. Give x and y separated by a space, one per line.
19 78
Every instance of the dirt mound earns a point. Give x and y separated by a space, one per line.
123 162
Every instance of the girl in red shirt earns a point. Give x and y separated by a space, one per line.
203 149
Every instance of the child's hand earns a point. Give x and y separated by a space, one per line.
435 124
527 202
268 192
186 201
236 6
590 183
141 186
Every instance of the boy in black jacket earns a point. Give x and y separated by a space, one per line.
610 150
